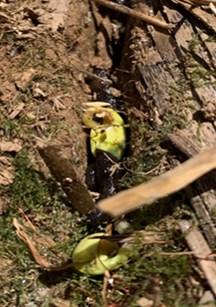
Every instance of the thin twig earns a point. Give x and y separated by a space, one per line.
6 16
173 254
27 220
198 2
133 13
20 231
105 286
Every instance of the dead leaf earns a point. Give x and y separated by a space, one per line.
37 237
37 92
207 300
16 111
144 302
58 302
6 177
10 146
5 161
22 79
6 171
34 240
57 104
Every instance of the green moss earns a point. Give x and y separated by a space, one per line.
152 274
11 128
198 74
28 189
41 200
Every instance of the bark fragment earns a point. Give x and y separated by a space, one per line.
63 170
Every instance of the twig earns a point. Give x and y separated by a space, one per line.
6 16
161 186
27 220
20 231
108 230
201 249
39 259
105 286
133 13
198 2
202 199
145 237
210 257
173 254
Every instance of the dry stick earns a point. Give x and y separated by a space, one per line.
161 186
27 220
133 13
42 261
201 249
105 286
28 241
205 201
198 2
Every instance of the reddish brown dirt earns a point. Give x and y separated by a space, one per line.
44 59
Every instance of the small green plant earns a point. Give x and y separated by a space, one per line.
11 128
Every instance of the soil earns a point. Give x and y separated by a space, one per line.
49 54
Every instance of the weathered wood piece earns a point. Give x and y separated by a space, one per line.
201 250
64 172
197 56
202 15
165 65
202 196
174 75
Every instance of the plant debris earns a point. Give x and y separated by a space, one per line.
198 244
6 171
8 146
133 13
23 236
